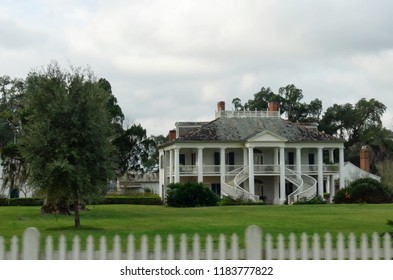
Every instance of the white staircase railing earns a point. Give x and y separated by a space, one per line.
231 184
309 188
306 186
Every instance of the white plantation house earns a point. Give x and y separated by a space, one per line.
254 155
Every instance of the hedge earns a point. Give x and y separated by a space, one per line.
107 200
29 201
132 200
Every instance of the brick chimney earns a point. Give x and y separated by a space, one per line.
365 159
221 106
172 135
274 106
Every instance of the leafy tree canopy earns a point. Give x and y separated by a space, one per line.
66 139
290 100
353 122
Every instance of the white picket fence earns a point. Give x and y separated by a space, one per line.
257 247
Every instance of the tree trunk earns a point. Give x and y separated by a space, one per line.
76 213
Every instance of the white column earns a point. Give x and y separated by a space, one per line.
177 166
275 160
331 155
200 165
282 175
320 172
171 166
276 198
251 185
222 162
299 160
341 164
245 158
332 188
163 168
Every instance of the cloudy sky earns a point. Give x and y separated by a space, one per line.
171 61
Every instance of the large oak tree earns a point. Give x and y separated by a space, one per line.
66 138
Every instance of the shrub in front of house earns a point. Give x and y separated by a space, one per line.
230 201
190 194
315 200
364 190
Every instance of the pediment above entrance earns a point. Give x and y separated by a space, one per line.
266 136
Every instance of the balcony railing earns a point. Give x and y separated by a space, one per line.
264 169
247 114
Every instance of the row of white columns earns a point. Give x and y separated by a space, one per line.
279 159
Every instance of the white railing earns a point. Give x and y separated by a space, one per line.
266 169
297 181
257 246
247 114
309 188
188 169
259 169
230 184
211 169
313 169
306 186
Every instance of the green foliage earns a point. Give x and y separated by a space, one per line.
190 194
365 190
140 200
3 201
315 200
30 201
14 171
137 153
352 121
66 139
230 201
290 99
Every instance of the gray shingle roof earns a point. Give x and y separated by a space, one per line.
241 129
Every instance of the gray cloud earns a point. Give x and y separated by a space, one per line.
172 60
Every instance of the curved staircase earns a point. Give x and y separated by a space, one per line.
306 186
230 184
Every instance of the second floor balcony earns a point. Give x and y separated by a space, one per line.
259 169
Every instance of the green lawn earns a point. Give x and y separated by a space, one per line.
110 220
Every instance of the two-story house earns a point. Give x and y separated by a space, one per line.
254 155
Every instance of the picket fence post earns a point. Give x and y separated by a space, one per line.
328 246
2 248
170 247
253 243
222 249
209 247
234 247
183 246
196 247
62 248
130 247
14 248
269 247
31 244
90 248
144 248
76 247
116 248
387 246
